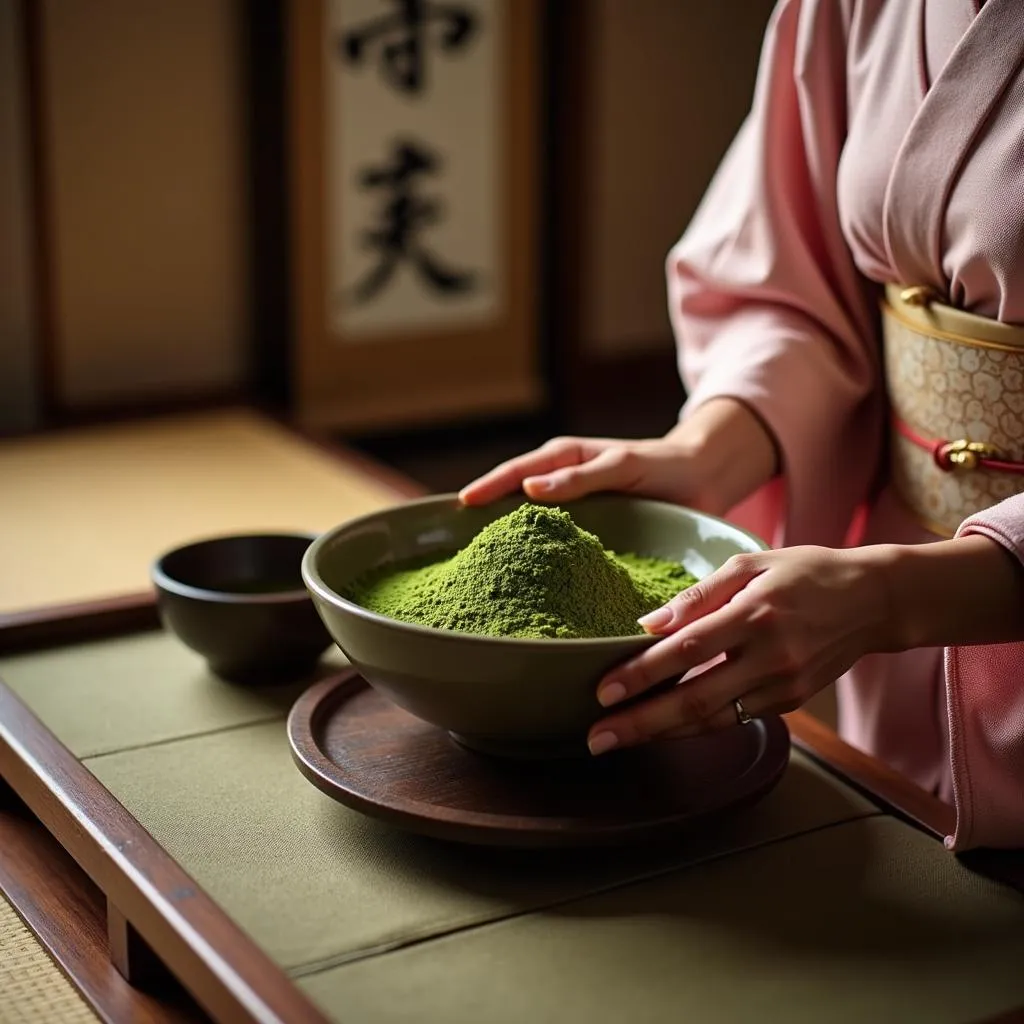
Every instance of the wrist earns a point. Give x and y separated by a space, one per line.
948 593
728 450
891 567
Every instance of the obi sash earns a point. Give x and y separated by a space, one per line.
956 391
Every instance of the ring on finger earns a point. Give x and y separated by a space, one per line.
742 718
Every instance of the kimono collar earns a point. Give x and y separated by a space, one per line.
956 109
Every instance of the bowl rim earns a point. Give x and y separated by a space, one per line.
162 580
318 588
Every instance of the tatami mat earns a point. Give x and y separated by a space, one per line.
84 513
32 988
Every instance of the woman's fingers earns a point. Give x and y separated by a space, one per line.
704 704
613 469
509 476
705 596
674 656
698 625
773 698
787 622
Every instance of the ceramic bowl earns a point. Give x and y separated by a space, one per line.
506 696
239 601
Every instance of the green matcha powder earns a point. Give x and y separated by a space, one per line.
532 573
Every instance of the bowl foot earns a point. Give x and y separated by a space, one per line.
523 750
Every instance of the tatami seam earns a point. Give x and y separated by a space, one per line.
167 741
315 967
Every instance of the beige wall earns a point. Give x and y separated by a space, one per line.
145 132
17 335
669 83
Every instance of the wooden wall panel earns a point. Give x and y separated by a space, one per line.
667 84
18 399
144 133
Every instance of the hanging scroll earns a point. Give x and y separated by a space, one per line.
415 205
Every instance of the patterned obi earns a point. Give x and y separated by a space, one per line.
956 391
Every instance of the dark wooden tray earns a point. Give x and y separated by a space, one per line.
362 750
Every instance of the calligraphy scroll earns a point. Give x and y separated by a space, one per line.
416 208
413 148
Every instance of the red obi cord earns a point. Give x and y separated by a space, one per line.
958 456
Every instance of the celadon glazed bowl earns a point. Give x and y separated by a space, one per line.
503 696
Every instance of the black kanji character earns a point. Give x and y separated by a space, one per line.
403 35
404 215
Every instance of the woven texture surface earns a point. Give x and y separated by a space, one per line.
316 883
206 768
32 988
811 898
85 512
134 691
866 921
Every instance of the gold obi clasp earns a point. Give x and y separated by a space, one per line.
963 456
918 295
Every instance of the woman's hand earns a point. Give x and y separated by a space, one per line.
790 622
569 467
710 461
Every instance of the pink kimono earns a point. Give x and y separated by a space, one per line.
885 144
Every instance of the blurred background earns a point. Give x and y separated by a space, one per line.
434 230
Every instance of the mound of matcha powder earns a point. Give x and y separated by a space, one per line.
532 573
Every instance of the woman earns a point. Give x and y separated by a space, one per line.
884 148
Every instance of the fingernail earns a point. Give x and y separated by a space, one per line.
538 484
611 693
603 742
656 619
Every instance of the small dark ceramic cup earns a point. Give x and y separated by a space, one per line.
240 602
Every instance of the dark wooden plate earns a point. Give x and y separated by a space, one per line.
369 754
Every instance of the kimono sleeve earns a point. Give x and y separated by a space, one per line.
985 699
766 303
